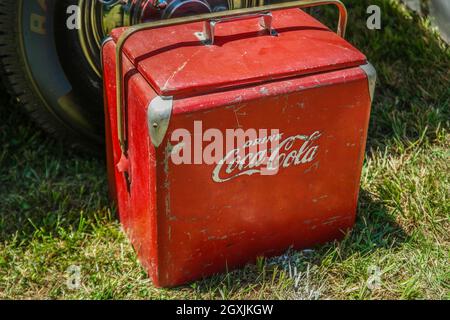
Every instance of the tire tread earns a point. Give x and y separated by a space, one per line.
14 80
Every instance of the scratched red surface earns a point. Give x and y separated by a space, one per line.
242 53
183 222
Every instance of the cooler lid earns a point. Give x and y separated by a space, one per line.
175 62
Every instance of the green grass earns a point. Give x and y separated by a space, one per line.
54 210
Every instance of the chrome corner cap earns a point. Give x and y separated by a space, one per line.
104 42
371 78
159 113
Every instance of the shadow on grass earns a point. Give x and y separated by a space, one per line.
45 187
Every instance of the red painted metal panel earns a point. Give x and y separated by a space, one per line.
187 221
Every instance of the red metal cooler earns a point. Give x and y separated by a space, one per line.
288 99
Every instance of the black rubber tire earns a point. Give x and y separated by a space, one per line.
14 72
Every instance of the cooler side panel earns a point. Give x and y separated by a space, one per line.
143 207
137 210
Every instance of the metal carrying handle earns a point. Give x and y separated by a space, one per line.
342 24
209 26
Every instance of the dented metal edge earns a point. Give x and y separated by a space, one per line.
159 113
371 78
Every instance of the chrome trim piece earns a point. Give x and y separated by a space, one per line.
371 78
158 117
104 42
107 39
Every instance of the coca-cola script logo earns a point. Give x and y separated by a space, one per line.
237 152
283 153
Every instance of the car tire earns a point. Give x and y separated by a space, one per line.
42 67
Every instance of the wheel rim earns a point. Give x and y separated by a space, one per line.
98 18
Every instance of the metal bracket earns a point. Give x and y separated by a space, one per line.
158 117
371 78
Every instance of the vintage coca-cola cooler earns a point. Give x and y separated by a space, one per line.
234 135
